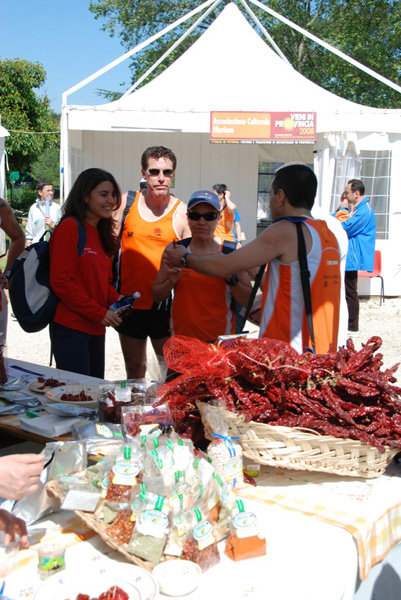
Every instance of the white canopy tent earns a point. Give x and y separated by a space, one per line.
231 68
3 134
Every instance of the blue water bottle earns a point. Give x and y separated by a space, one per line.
125 302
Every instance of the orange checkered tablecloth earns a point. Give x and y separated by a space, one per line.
370 510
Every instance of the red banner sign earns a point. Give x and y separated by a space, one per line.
262 127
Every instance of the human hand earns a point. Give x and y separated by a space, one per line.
3 280
111 319
173 255
174 273
12 526
20 475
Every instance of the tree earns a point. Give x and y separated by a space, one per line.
47 166
368 31
23 111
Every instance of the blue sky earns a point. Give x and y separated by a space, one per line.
67 40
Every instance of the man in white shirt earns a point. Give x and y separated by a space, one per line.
44 214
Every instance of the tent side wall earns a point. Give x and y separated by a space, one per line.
325 163
199 164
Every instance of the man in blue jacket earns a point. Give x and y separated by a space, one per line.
361 231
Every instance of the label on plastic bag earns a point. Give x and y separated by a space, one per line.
203 534
245 524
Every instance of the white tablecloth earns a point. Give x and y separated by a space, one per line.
306 559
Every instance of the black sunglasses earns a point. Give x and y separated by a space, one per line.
209 216
156 172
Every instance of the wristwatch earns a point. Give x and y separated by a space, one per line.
7 274
183 259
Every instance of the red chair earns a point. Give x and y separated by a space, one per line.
377 270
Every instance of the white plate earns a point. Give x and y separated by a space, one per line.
74 388
138 583
36 386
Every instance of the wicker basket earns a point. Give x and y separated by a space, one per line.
98 525
301 449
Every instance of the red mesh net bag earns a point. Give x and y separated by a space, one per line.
193 357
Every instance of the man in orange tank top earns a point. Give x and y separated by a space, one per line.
155 219
292 194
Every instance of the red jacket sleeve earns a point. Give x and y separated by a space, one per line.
64 270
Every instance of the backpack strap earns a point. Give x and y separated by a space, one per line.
81 233
251 300
131 197
305 280
81 236
305 275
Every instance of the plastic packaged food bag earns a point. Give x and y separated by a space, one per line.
225 452
201 547
244 541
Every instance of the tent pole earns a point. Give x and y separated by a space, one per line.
332 49
264 31
171 49
64 163
138 48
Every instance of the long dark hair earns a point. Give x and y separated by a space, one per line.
75 205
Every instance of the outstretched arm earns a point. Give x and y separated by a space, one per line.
13 229
278 241
165 280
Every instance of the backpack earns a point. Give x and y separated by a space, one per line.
32 300
131 196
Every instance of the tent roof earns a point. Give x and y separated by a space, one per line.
229 68
3 132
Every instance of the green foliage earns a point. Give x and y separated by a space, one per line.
368 31
135 22
47 166
23 111
109 95
21 198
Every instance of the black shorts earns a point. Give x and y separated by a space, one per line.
141 324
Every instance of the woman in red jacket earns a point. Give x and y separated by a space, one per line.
83 282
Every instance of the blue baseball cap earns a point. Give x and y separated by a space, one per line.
204 196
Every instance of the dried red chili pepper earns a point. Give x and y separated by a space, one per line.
122 527
356 389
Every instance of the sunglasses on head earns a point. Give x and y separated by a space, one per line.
209 216
156 172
